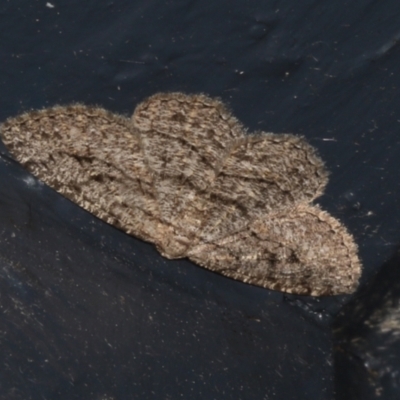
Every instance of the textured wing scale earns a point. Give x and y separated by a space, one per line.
185 140
183 175
302 250
93 158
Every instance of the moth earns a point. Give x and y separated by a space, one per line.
184 174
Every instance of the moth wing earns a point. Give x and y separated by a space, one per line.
211 179
302 250
184 136
263 173
92 157
185 139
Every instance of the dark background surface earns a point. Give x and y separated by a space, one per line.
89 312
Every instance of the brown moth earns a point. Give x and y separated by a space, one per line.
183 174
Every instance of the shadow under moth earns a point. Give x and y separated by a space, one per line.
183 174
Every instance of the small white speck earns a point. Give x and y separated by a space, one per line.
49 5
30 181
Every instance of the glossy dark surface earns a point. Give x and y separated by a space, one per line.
89 312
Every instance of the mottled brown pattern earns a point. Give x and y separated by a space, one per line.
183 174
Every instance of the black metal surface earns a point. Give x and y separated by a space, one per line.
89 312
